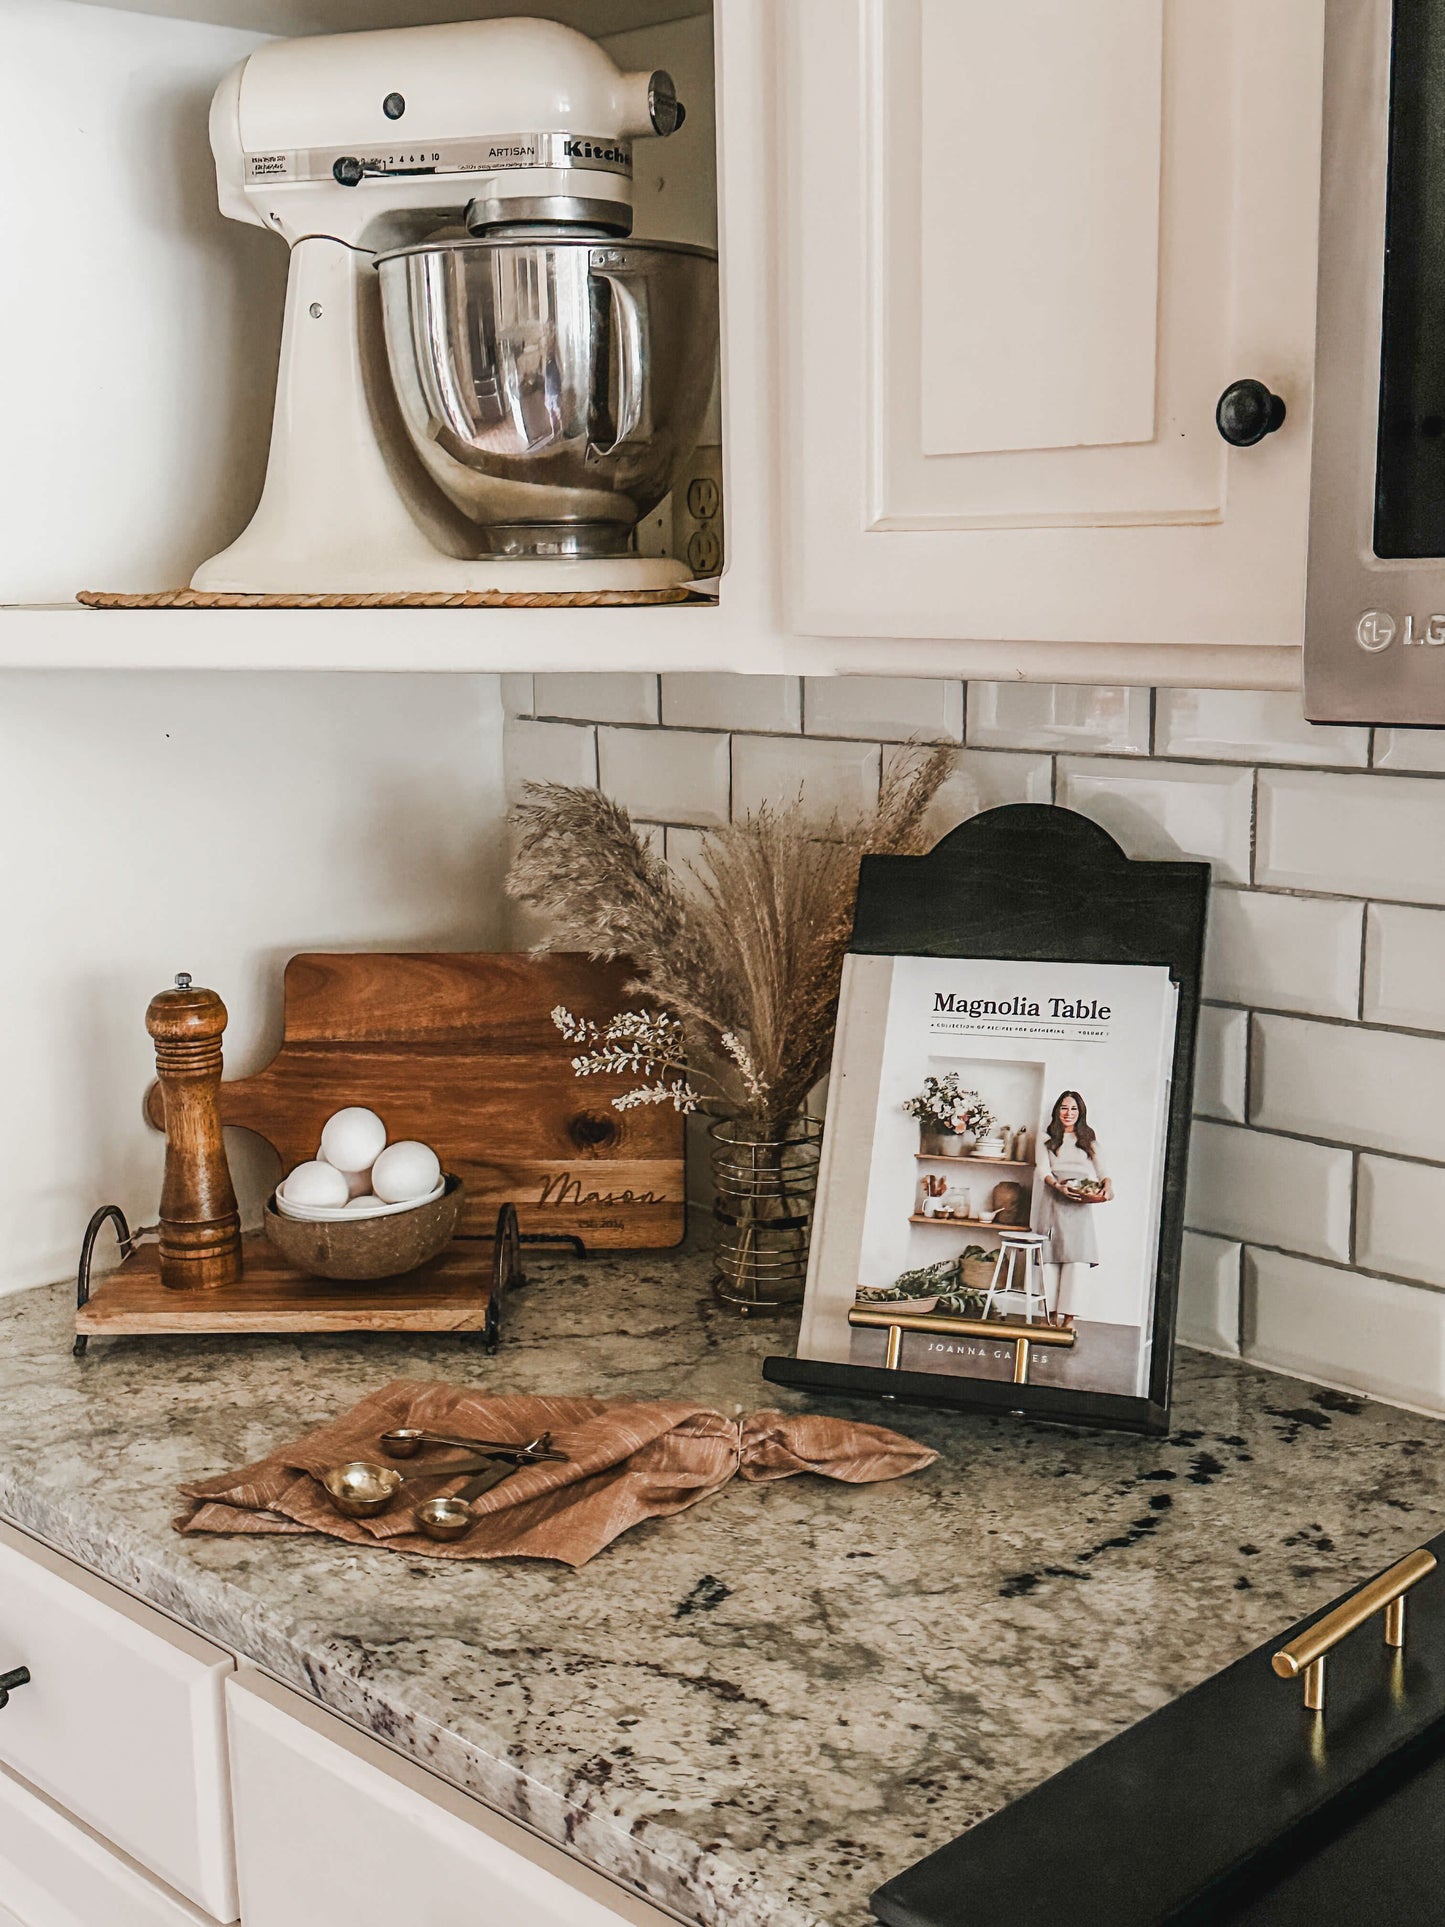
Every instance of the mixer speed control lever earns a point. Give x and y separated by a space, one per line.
348 171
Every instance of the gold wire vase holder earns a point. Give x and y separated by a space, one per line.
765 1189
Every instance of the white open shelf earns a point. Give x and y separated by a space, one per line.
140 389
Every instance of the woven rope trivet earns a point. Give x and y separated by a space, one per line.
473 599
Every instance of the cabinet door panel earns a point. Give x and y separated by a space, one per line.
1052 288
55 1874
122 1722
330 1832
1029 246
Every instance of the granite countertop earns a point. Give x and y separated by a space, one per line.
755 1712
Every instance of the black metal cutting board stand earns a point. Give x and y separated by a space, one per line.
1035 883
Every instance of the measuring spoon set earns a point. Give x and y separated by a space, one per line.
362 1488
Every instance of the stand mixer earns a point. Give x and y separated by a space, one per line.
484 383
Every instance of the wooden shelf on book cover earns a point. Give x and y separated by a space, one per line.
967 1157
451 1294
971 1224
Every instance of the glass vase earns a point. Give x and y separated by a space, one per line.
766 1184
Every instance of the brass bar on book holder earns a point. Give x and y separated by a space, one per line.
1305 1655
895 1323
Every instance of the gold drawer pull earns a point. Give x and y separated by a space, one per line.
1307 1653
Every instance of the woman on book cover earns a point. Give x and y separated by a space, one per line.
1074 1181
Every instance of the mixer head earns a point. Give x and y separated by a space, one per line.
513 121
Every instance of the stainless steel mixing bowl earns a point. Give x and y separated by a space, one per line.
552 386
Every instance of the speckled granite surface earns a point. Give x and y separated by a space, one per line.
756 1712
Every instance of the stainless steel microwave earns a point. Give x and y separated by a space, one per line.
1375 609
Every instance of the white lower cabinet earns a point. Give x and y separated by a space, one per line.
55 1873
126 1756
122 1723
334 1831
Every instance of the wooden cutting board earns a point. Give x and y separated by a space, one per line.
461 1052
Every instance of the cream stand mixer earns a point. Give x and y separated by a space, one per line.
484 383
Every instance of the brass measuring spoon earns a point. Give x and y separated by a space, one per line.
451 1518
405 1441
361 1490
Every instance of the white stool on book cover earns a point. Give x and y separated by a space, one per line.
1018 1272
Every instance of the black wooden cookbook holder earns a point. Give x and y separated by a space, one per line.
1034 883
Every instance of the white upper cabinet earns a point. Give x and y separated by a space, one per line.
1030 245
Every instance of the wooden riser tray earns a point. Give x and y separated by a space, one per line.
452 1294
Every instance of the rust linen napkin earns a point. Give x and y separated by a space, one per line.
627 1460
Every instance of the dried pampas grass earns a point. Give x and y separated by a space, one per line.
751 947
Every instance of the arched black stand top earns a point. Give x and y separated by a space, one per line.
1031 880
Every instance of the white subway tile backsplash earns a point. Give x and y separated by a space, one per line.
1209 1293
1219 1069
831 776
684 846
1410 749
1352 835
1268 1190
1399 1210
998 776
1166 809
982 781
597 698
1069 716
517 695
550 753
1345 1328
1405 967
1374 1088
890 709
666 776
1284 952
768 704
958 799
1250 726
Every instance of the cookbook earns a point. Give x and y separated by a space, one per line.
993 1171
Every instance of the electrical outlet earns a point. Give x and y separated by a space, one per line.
704 550
697 514
704 499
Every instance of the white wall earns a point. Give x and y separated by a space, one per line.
146 454
215 824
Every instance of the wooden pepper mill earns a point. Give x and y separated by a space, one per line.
200 1225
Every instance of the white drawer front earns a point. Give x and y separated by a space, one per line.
331 1832
55 1874
123 1723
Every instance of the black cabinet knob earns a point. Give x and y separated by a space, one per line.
1247 412
19 1676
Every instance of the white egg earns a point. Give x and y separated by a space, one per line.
359 1182
367 1202
405 1171
316 1183
352 1138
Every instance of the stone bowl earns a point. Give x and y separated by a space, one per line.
361 1250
